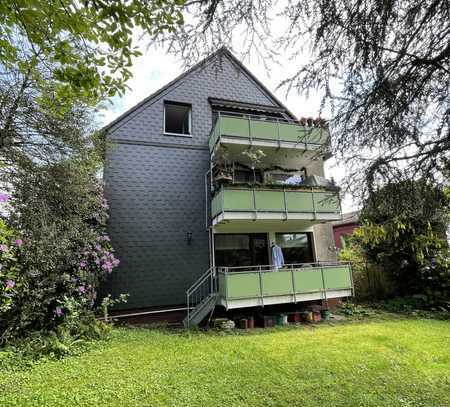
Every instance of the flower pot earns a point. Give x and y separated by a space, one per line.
281 319
307 316
268 321
316 316
326 314
243 323
295 317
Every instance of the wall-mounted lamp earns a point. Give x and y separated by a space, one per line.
189 237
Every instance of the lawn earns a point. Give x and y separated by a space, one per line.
392 362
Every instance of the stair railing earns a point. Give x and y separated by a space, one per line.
203 287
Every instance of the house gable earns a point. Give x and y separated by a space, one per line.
219 76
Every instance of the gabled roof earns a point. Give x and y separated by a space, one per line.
221 51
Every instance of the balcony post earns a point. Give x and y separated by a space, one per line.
286 214
250 130
278 132
255 211
222 198
294 289
261 288
211 181
324 287
225 270
314 204
350 270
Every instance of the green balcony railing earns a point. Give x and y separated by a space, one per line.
254 200
237 283
253 129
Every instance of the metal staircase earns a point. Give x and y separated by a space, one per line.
201 298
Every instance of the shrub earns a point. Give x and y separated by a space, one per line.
10 245
369 280
403 235
66 253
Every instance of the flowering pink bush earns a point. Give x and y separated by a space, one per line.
64 252
9 267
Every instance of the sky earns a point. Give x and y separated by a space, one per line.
155 68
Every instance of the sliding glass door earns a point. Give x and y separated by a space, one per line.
233 250
296 247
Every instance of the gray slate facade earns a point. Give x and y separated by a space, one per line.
155 184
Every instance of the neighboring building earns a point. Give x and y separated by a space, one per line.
345 227
202 177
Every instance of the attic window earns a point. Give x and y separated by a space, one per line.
177 118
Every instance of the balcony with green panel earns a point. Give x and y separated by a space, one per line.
281 204
241 287
265 132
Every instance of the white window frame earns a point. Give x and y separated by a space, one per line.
168 133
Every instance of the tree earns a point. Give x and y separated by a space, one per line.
85 48
50 167
404 231
30 134
60 216
381 66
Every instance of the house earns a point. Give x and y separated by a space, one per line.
345 227
202 177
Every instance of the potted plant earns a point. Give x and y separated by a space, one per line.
254 157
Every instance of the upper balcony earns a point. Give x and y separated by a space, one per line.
232 203
266 132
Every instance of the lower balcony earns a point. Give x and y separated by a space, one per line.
238 203
241 287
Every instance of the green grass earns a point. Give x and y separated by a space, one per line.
393 362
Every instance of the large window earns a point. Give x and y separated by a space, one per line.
296 247
234 250
177 118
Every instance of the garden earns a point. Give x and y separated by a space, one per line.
383 359
62 62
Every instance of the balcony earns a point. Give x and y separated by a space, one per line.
265 132
241 287
241 203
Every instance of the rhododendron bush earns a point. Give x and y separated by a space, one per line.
52 266
9 267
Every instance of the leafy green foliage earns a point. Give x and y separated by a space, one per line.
369 280
381 69
68 339
108 302
354 310
66 253
403 232
417 305
88 44
393 362
9 267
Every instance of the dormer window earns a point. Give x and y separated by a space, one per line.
177 118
